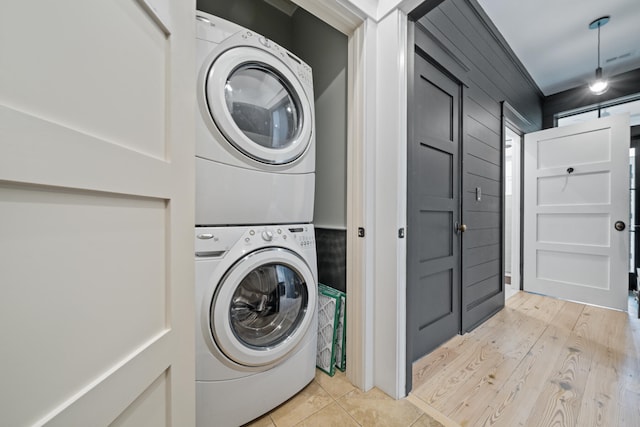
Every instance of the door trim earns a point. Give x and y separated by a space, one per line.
361 67
360 175
520 125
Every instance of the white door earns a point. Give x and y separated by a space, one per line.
96 213
576 189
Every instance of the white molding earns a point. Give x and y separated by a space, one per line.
355 23
376 188
360 176
401 130
385 7
390 206
340 14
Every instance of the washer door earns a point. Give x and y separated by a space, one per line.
259 105
263 306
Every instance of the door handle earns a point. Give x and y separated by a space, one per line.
460 228
619 225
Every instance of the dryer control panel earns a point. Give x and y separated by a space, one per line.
217 30
297 65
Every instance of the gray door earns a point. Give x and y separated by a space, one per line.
433 245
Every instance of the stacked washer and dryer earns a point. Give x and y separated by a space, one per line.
256 271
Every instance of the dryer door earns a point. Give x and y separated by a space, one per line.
259 105
263 307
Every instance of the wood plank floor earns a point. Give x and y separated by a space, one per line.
539 362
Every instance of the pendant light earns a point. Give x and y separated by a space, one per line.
600 85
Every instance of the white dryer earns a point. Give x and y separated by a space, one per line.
256 320
255 129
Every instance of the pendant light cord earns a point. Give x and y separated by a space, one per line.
599 25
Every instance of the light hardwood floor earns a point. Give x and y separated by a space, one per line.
539 362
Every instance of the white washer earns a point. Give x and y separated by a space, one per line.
255 129
256 320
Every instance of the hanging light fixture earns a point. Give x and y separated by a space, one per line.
600 85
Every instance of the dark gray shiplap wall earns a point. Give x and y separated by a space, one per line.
458 36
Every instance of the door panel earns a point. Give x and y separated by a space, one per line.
576 188
481 254
433 270
96 200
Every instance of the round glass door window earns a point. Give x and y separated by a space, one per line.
263 106
268 305
259 105
263 307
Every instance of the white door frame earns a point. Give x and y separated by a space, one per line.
516 225
376 186
361 76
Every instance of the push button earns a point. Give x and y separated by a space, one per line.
264 42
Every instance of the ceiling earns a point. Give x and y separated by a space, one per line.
553 41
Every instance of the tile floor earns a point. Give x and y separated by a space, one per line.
333 401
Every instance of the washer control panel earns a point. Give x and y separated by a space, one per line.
216 241
304 235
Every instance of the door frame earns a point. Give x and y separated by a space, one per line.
518 229
361 66
518 124
375 277
635 143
